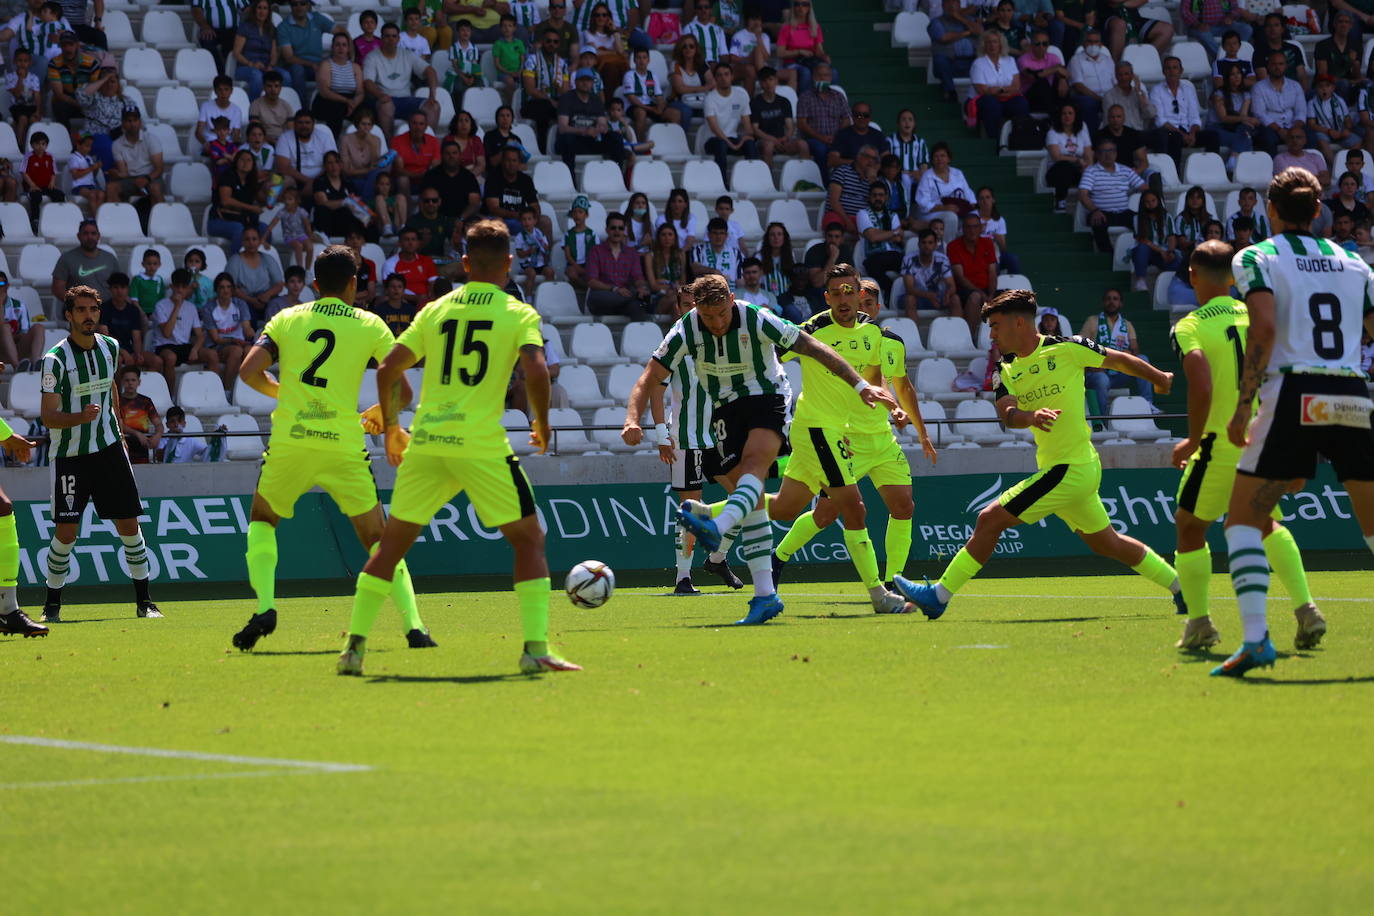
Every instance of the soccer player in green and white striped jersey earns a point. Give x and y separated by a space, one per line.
686 444
733 345
89 463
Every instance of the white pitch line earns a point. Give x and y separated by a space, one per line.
320 766
75 783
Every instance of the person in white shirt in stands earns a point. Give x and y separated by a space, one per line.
220 107
751 289
1070 152
1104 192
1178 115
1092 73
929 279
387 71
997 85
183 450
301 151
943 192
727 114
1278 103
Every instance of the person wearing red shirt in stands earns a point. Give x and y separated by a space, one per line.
416 153
973 258
418 269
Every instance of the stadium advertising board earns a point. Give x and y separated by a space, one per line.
628 526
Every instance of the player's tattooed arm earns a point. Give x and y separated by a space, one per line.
1259 345
807 345
1121 361
653 377
391 383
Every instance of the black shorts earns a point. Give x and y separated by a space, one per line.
1296 423
182 351
102 477
694 468
732 422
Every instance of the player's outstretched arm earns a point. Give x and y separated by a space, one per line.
807 345
654 375
1121 361
1199 376
538 391
1259 344
253 369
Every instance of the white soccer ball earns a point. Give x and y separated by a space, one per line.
590 583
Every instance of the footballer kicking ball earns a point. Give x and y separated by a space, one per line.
590 583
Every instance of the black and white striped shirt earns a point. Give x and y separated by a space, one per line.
741 363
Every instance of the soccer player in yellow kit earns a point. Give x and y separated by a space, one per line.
1040 385
1210 341
322 348
13 621
876 455
470 340
823 447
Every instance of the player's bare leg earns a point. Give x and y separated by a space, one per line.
369 527
972 557
1138 556
900 508
59 565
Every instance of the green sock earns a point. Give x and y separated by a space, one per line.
262 563
367 601
9 553
860 547
898 545
403 593
533 595
1194 573
1155 568
1286 560
960 569
797 537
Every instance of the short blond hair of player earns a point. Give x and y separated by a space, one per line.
470 340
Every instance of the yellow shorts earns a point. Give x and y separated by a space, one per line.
820 458
880 458
1066 490
287 474
1208 478
497 488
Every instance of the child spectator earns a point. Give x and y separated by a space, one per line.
295 228
126 323
465 62
220 149
202 289
588 60
395 307
391 209
148 288
725 209
49 29
578 242
182 449
411 39
367 42
434 24
84 168
508 53
138 417
230 329
180 335
37 173
219 106
25 91
294 294
616 124
21 341
533 249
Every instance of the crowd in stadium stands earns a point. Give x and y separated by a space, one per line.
393 129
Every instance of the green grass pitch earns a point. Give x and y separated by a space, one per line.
1042 749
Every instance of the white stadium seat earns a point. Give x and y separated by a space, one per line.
201 392
570 437
519 431
795 170
1206 170
701 179
747 215
164 29
1143 429
906 329
25 394
1145 59
144 67
592 344
119 224
154 387
9 143
581 385
166 137
554 181
622 380
119 34
15 225
36 263
792 214
58 222
609 439
481 102
670 143
1255 169
190 183
557 302
176 105
240 448
602 179
654 178
173 224
195 67
248 400
752 178
950 338
911 30
989 433
935 378
639 339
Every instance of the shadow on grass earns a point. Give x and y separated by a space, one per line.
1069 619
69 621
1307 682
306 652
455 679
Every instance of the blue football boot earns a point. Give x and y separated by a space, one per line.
761 610
696 518
923 596
1250 655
